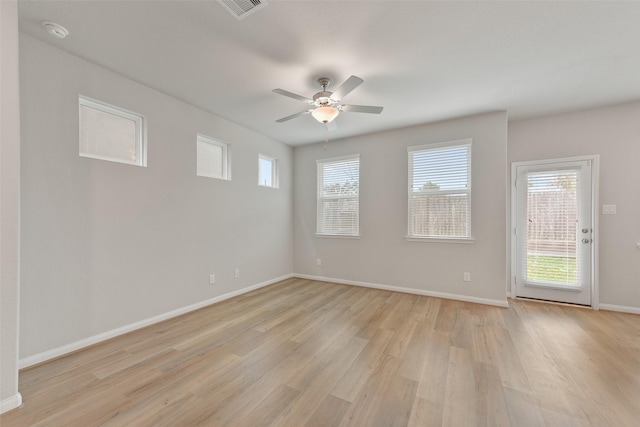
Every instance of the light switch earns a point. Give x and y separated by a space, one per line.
608 209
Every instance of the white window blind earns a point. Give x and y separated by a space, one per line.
440 191
551 226
338 196
111 133
212 158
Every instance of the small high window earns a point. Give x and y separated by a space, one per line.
111 133
267 171
212 158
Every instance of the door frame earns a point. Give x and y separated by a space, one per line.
595 203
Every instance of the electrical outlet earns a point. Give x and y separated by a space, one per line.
212 279
318 261
466 277
236 273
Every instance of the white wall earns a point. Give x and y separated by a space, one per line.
9 205
105 245
382 255
614 133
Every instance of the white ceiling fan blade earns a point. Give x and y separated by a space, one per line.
293 116
332 125
351 83
362 109
293 95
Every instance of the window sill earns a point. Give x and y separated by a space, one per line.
337 236
462 240
219 178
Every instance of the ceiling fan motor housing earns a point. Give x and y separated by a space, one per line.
323 98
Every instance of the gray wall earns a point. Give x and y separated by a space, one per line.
614 133
104 244
382 255
9 205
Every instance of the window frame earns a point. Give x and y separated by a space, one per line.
140 130
468 142
274 171
319 164
226 157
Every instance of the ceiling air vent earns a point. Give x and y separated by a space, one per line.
242 8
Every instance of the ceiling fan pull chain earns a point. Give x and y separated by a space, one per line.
326 141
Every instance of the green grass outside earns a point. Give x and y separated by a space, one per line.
551 268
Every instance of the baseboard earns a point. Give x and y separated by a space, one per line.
77 345
10 403
444 295
620 308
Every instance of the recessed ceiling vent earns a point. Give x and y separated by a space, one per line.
242 8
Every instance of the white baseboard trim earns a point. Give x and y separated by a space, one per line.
620 308
10 403
444 295
77 345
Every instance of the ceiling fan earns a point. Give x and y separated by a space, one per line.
325 106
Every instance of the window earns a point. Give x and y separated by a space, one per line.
338 196
440 191
111 133
212 158
267 171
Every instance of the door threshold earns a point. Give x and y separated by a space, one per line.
566 304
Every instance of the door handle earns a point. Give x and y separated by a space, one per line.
586 241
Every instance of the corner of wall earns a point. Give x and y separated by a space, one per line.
9 206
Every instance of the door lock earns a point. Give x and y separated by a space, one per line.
585 230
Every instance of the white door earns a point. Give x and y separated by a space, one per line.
554 231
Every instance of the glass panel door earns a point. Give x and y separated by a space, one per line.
554 232
552 219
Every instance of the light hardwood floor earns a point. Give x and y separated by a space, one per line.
311 353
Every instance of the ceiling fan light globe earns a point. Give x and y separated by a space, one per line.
325 114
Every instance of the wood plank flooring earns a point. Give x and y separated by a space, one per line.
305 353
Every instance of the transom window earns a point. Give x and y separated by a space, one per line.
338 201
440 191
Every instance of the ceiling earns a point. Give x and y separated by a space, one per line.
423 61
